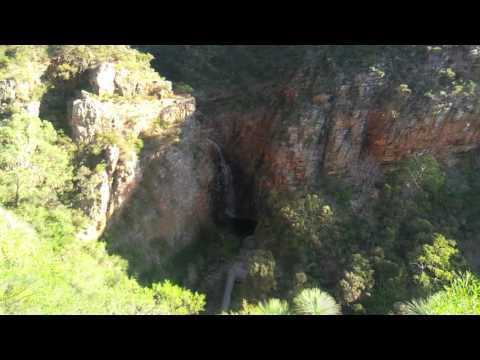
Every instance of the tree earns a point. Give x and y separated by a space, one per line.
309 220
260 276
358 281
34 162
435 263
419 173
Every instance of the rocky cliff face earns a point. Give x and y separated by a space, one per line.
331 108
110 112
159 187
170 199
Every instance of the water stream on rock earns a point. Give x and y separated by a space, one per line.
241 228
227 179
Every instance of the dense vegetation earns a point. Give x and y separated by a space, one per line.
409 243
395 244
44 267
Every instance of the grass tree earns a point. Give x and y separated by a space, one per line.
315 302
274 307
308 302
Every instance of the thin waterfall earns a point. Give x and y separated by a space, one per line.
229 192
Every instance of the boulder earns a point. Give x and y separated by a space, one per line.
124 84
85 118
102 79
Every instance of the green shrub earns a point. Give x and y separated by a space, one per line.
260 275
436 263
460 297
421 173
35 162
128 144
182 88
177 301
71 60
358 281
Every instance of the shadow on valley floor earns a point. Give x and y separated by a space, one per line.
189 267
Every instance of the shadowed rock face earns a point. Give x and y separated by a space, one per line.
241 227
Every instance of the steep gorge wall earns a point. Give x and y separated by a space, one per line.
286 118
331 108
156 201
150 198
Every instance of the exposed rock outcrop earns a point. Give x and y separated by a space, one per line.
171 201
102 79
91 116
99 206
7 91
128 86
123 175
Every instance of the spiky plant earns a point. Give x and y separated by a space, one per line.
461 297
418 307
269 307
315 302
273 307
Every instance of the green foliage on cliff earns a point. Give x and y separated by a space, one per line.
71 60
182 88
53 74
19 61
215 67
35 162
24 64
128 144
44 267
